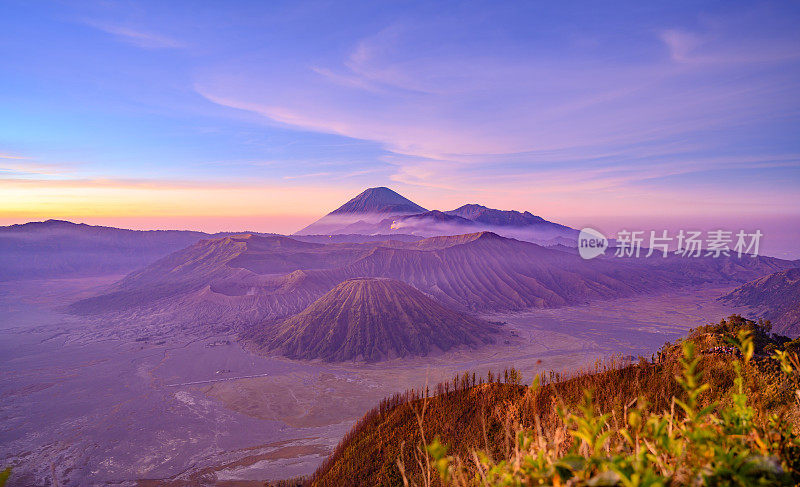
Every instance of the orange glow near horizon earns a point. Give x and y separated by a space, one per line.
153 206
211 207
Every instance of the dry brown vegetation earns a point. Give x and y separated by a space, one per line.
469 416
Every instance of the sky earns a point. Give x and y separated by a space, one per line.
266 115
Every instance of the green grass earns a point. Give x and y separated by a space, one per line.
689 417
721 442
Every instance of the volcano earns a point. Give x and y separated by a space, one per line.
362 212
244 280
381 211
373 319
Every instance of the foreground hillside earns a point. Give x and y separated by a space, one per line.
372 319
775 297
504 421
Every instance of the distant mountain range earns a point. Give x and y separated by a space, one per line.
371 319
243 280
383 211
386 278
775 297
500 218
56 248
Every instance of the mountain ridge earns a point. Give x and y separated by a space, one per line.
372 319
775 297
483 214
240 281
383 211
60 248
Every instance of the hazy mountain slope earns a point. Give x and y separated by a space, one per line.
360 213
180 272
515 224
245 279
775 297
383 211
500 218
378 200
484 271
55 248
475 218
700 270
356 238
427 224
224 271
372 319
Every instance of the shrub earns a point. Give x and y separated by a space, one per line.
696 442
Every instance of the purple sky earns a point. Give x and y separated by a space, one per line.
264 115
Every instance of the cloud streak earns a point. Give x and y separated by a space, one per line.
135 36
448 113
558 109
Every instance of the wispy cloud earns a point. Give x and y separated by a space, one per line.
680 43
10 156
447 116
522 106
23 166
136 36
309 176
